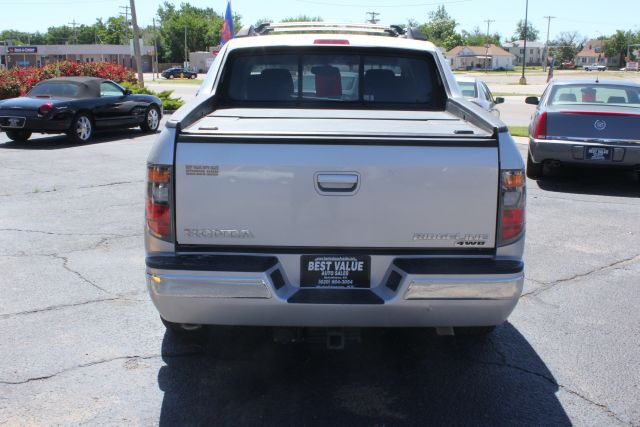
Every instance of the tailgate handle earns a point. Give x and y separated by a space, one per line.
337 182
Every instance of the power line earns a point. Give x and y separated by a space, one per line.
75 32
373 19
486 53
126 21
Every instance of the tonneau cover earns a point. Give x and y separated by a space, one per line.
336 122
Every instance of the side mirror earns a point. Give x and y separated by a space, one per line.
127 92
533 100
499 100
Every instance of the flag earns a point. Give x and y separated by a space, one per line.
550 74
227 33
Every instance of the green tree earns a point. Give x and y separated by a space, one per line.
478 38
617 45
532 33
441 29
202 28
566 46
302 18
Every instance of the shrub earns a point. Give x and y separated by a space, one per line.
27 77
168 103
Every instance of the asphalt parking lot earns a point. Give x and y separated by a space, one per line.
83 344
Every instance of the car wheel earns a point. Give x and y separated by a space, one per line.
81 129
534 170
182 330
170 76
151 119
18 135
193 76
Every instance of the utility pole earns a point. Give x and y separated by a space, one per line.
126 22
186 50
373 19
136 43
75 32
155 48
523 79
486 53
546 45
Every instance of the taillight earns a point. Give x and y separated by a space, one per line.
512 206
45 109
158 204
540 131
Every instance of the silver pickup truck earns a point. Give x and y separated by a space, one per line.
334 179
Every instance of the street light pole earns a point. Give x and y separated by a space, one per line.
523 80
546 45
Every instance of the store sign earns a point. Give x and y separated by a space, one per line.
22 49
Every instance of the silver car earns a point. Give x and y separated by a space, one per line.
477 91
585 122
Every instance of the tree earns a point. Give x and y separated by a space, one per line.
532 33
441 29
478 38
617 45
566 46
202 27
302 18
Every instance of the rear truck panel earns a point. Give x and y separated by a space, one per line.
331 190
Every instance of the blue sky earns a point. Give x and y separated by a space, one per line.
590 18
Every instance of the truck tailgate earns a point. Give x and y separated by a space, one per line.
336 182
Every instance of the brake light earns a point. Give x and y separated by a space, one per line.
541 127
158 203
45 109
331 41
512 206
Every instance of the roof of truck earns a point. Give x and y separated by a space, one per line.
309 39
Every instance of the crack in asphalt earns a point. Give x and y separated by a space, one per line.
53 233
567 199
65 262
99 362
54 190
92 247
505 364
550 285
119 297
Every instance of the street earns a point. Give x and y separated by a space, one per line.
83 344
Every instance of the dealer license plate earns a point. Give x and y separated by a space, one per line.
598 153
12 122
347 271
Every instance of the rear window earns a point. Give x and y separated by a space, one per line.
468 89
64 90
595 94
353 78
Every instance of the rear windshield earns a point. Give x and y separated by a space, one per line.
468 89
594 93
64 90
337 77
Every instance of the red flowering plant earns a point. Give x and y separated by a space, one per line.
19 81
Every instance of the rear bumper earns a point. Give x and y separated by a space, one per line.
254 291
33 124
574 152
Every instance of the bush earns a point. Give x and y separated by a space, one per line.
27 77
168 103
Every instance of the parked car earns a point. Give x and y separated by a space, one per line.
585 122
595 67
77 106
569 65
178 72
270 203
477 91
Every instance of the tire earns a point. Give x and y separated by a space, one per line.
18 135
170 76
81 130
193 76
151 120
534 170
186 332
